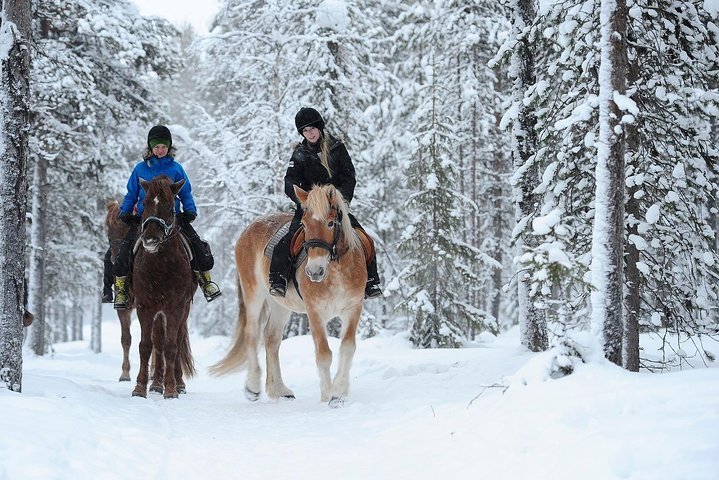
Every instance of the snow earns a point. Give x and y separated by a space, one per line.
411 414
333 14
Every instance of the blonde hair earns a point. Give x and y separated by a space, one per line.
325 153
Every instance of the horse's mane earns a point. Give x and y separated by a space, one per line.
320 201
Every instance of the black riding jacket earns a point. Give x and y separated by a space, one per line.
306 169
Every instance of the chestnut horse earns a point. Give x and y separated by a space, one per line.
116 231
163 285
331 284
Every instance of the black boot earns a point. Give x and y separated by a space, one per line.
278 285
371 289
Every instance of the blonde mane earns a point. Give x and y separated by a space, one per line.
321 200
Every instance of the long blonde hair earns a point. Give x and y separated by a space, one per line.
325 153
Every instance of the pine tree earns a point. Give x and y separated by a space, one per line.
441 265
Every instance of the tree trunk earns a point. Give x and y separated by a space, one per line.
38 235
96 325
532 320
633 280
14 133
608 232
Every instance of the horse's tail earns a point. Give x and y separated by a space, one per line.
237 356
184 352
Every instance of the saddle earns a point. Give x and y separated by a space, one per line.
297 252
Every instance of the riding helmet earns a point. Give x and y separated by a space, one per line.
159 132
308 117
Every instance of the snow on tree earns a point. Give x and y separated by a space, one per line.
608 232
93 101
441 267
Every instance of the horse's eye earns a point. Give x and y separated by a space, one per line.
331 224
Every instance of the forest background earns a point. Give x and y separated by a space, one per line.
430 100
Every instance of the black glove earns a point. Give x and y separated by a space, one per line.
129 218
188 217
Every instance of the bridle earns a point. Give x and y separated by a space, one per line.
166 229
330 247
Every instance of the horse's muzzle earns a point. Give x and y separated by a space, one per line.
151 245
316 274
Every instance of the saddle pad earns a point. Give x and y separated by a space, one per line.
298 256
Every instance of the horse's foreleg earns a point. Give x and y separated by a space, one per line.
170 350
157 364
145 349
341 383
323 354
125 341
274 385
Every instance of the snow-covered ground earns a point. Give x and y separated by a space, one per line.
411 414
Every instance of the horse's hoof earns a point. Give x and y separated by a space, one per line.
181 390
336 402
138 393
288 397
251 396
124 379
172 395
156 389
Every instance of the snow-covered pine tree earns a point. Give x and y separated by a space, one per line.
93 98
669 159
525 153
15 36
441 267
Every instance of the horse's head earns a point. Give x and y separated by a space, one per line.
158 216
326 224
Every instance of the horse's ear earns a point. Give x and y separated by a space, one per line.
177 186
301 194
144 183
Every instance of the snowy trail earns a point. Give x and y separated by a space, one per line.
408 416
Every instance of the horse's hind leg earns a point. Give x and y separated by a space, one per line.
145 349
253 311
274 386
125 341
341 383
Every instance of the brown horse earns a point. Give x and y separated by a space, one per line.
331 284
162 286
116 231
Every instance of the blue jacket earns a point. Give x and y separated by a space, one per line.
149 169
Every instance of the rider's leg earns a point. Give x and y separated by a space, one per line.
372 288
202 262
281 263
122 268
107 277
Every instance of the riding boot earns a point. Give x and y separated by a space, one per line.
107 278
280 267
209 288
372 289
121 300
278 284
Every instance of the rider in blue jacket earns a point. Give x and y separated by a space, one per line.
159 160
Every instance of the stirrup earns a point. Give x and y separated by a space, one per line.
278 289
211 291
107 298
372 291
